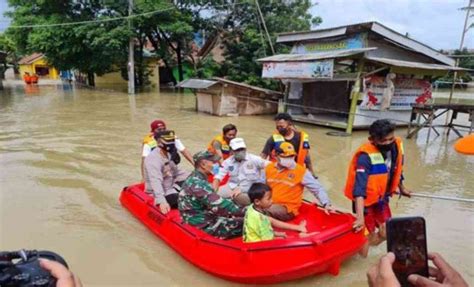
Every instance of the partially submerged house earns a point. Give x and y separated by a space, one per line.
223 97
36 64
347 77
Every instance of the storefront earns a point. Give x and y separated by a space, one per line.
347 77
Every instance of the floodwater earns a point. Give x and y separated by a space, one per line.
66 153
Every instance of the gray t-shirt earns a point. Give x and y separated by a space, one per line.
161 174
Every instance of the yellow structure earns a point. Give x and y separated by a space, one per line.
114 79
36 64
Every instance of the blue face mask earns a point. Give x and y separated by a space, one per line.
215 168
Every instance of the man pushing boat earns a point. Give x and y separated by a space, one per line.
375 174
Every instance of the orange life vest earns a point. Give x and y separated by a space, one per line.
225 148
378 174
278 139
286 185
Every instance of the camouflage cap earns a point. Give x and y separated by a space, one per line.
205 155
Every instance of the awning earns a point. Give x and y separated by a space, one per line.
315 56
414 65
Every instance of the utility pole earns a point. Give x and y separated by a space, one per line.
265 27
464 30
131 60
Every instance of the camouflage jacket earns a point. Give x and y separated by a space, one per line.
201 206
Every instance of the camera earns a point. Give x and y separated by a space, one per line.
22 268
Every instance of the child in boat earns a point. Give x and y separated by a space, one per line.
257 225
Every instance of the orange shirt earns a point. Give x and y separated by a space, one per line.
286 185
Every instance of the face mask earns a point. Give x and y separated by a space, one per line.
215 168
240 155
385 147
169 147
287 162
283 131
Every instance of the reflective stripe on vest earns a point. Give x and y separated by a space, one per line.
150 141
286 185
225 148
278 139
378 175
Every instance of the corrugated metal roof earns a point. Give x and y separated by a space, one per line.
304 35
266 91
30 58
310 35
411 43
375 27
316 56
204 84
196 84
415 65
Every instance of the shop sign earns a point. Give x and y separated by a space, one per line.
298 70
407 93
355 42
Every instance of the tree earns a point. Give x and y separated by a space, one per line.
464 62
98 48
8 46
93 48
171 33
245 39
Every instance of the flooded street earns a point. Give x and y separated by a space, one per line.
66 153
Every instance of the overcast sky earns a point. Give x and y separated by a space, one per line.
3 20
437 23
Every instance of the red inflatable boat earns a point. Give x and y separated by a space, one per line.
261 262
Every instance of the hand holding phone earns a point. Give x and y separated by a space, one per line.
381 274
406 238
443 273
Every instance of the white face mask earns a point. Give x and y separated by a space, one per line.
288 162
240 155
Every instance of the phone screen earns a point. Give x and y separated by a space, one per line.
406 238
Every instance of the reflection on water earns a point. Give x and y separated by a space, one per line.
66 153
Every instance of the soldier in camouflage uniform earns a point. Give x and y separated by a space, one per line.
200 206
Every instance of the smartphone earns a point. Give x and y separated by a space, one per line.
406 238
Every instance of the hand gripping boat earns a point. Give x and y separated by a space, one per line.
262 262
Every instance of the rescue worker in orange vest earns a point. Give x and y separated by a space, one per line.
375 174
220 144
286 132
149 144
287 180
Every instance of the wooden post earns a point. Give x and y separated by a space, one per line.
355 97
464 30
285 96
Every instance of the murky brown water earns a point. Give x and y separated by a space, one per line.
65 155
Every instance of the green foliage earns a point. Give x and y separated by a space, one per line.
205 69
245 41
89 48
8 46
98 48
464 62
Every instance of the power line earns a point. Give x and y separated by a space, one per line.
107 19
92 21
